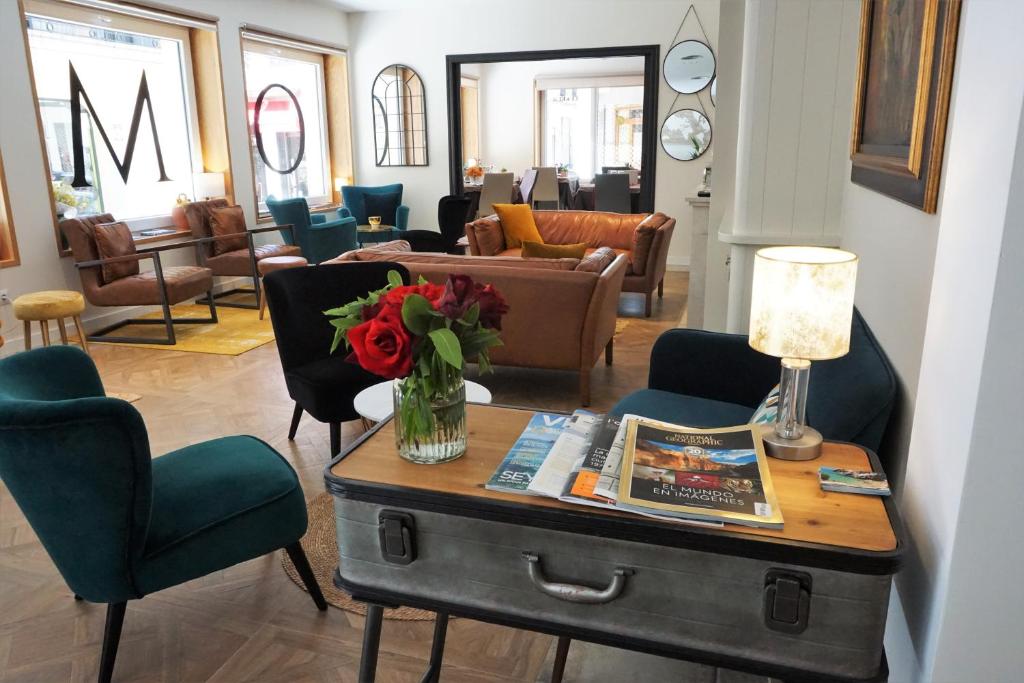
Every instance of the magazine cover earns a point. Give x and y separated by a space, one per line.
589 468
853 481
711 474
528 453
564 458
608 482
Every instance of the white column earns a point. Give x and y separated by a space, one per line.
698 261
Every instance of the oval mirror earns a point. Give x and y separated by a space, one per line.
686 134
689 67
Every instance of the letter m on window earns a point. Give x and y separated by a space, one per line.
123 166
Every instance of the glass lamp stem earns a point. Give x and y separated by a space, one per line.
792 398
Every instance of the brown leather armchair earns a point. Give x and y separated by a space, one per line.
118 280
237 262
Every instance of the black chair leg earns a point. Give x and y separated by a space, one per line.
298 557
296 416
335 438
111 638
561 656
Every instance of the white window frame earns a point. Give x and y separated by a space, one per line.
86 14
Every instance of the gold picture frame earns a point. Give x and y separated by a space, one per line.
901 101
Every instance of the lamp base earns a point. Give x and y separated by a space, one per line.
807 447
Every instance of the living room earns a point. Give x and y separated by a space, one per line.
650 315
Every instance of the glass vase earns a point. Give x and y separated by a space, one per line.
433 435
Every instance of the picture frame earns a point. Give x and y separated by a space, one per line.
901 102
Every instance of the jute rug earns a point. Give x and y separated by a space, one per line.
321 546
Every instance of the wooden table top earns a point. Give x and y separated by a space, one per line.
843 520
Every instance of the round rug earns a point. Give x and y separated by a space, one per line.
321 546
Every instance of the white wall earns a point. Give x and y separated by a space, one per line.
422 38
41 268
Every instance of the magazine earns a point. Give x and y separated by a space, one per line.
853 481
579 487
571 446
705 474
528 453
607 484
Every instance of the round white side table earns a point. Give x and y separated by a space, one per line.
376 403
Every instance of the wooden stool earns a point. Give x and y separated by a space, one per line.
272 263
52 305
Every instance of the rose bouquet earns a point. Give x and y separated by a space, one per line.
422 335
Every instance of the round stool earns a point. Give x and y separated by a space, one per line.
53 305
272 263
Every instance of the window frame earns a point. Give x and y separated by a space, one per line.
9 255
129 22
471 83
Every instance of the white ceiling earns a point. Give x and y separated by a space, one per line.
378 5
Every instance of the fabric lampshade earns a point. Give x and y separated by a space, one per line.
802 302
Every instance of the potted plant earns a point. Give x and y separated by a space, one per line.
420 336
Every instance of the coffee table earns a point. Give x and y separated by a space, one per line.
377 403
382 233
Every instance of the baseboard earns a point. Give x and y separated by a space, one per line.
103 318
678 267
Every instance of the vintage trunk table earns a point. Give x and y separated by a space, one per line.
804 603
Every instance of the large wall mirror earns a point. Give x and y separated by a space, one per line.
399 117
553 122
686 134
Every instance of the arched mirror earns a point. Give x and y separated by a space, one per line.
689 67
399 117
686 134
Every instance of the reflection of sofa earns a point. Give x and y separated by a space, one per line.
559 317
642 238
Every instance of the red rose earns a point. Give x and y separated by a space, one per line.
428 291
492 306
457 298
382 345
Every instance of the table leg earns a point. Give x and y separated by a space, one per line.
433 673
561 655
371 644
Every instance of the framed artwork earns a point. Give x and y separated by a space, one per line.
901 102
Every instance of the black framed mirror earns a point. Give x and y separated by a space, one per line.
686 134
399 117
689 67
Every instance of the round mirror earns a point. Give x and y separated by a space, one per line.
686 134
689 67
714 91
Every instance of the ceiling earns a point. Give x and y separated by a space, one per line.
377 5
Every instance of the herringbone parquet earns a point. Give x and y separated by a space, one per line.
250 622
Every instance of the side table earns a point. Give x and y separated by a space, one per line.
382 233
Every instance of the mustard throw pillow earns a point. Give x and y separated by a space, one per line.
517 224
541 250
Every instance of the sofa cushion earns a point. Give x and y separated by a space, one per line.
457 260
237 262
690 411
489 237
769 408
643 240
517 224
596 228
541 250
142 289
229 220
597 260
113 240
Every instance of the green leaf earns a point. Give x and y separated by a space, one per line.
417 313
422 280
394 278
447 345
470 317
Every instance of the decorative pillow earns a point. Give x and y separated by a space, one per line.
597 260
643 240
768 410
393 245
541 250
517 224
115 239
229 220
490 240
384 205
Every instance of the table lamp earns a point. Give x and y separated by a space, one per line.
208 185
801 309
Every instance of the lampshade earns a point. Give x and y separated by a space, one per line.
208 184
339 183
802 302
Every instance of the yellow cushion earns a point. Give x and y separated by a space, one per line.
48 305
517 224
541 250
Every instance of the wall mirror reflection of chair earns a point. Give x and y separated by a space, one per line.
570 115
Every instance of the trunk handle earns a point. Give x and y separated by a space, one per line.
573 592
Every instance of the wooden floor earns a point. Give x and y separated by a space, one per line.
251 623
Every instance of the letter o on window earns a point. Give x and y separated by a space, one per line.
259 133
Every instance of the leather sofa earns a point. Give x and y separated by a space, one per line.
642 238
561 315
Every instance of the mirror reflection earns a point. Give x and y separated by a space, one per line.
399 117
689 67
686 134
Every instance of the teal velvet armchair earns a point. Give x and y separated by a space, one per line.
118 524
319 238
362 201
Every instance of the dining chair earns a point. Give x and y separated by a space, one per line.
545 189
611 193
118 523
497 189
321 383
452 216
526 184
318 238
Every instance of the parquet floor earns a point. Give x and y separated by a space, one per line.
250 622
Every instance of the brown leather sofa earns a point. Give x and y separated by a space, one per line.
562 312
642 238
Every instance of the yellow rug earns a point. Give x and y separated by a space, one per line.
620 325
238 330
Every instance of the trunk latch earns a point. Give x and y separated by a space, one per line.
787 600
397 532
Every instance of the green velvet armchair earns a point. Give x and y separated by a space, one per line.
118 524
319 238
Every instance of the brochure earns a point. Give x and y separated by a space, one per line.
853 481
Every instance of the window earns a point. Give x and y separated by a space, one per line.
131 80
8 243
587 128
286 95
